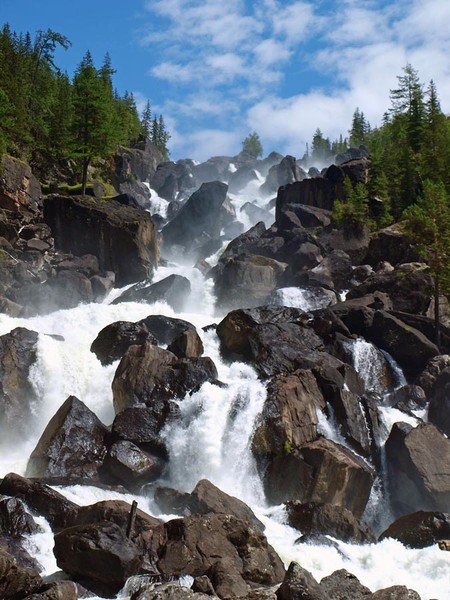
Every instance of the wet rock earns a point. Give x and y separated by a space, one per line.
201 218
17 354
173 289
408 398
99 556
171 501
299 584
328 519
241 178
57 590
289 416
123 238
203 585
418 461
187 344
169 591
72 445
15 521
166 329
439 409
40 498
419 529
16 582
342 585
114 340
351 416
256 214
396 592
102 285
323 472
193 544
334 272
15 548
148 373
286 172
130 465
227 582
427 379
248 280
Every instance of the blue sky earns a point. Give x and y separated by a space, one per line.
219 69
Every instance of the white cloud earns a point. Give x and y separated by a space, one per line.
205 143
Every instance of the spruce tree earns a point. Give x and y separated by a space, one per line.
252 146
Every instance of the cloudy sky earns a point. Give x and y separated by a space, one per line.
219 69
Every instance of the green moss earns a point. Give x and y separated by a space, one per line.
287 447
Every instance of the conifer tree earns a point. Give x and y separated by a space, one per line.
146 120
252 145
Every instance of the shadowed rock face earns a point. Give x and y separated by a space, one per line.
19 188
419 529
123 238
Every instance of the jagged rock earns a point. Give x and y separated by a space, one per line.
72 445
102 284
425 324
439 408
257 214
289 417
427 379
187 344
249 280
172 289
342 585
389 244
142 425
328 519
19 188
18 352
419 529
166 329
323 472
200 219
241 178
351 154
14 546
396 592
16 582
299 584
193 544
309 216
123 238
169 591
114 340
318 192
418 461
148 374
171 501
57 590
334 272
349 412
408 398
352 240
139 162
130 465
15 521
203 585
227 582
98 555
286 172
40 498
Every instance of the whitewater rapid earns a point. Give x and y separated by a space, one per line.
211 439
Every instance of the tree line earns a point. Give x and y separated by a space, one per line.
46 117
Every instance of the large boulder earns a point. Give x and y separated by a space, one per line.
418 461
323 472
15 521
284 173
299 584
19 188
16 582
241 178
148 374
342 585
123 238
390 244
173 289
194 544
99 556
314 518
72 445
114 340
199 219
166 329
419 529
40 498
439 409
18 352
395 592
131 466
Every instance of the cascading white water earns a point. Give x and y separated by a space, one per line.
211 440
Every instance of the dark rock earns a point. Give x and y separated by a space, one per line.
328 519
166 329
193 544
390 244
72 445
241 178
249 280
40 498
419 529
299 584
226 580
173 289
439 409
19 188
334 272
257 214
123 238
408 398
425 325
172 501
351 239
17 354
286 172
14 519
148 373
57 590
169 591
203 585
130 465
429 376
396 592
342 585
99 556
317 192
187 344
199 219
418 463
351 154
14 546
114 340
102 285
16 582
142 426
309 216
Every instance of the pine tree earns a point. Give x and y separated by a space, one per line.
252 145
360 128
320 147
428 224
146 120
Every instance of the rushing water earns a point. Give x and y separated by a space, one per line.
211 439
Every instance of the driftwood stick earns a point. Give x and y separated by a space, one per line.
131 519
